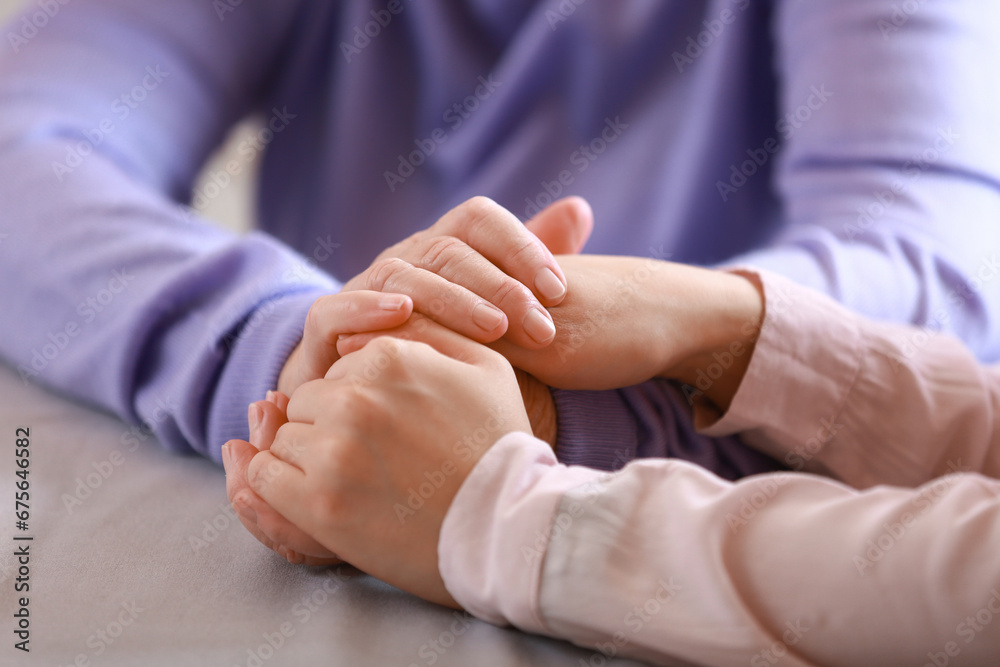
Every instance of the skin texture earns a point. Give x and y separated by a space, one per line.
266 417
461 247
272 529
629 319
472 265
345 467
696 313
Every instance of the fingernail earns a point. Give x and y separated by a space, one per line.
254 415
487 317
547 284
226 455
539 326
392 302
270 397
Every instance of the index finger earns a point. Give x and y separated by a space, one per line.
497 234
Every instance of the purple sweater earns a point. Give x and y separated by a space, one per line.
850 145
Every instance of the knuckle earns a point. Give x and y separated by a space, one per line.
511 292
388 346
330 506
448 294
384 271
443 253
480 206
314 316
526 251
479 211
263 472
303 393
286 443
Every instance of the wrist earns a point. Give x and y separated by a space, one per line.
540 407
725 338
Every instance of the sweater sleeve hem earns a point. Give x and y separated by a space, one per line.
258 354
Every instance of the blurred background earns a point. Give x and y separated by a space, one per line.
233 206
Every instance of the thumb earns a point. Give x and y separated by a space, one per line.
564 226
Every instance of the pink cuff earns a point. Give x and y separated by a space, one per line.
806 336
496 533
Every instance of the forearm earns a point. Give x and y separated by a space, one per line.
661 321
726 330
128 300
646 559
832 392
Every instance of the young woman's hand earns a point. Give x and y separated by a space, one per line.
374 453
268 526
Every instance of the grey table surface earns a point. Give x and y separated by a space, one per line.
137 559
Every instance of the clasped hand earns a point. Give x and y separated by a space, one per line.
329 474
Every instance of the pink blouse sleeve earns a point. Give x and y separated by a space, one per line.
665 562
831 392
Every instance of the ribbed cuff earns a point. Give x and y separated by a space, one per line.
257 356
595 429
